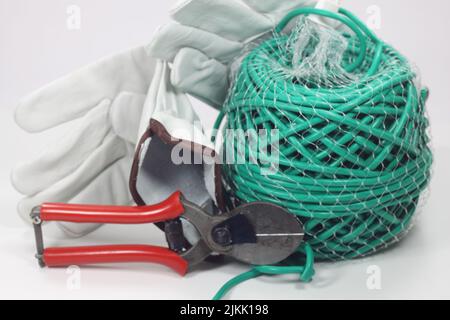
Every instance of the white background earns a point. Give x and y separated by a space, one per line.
36 47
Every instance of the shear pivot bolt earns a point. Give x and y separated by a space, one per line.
222 236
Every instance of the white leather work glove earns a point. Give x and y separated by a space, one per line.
108 100
91 164
185 158
208 35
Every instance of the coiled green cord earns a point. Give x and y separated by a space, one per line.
354 158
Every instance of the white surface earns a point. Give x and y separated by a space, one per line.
36 47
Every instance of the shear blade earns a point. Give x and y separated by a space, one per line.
278 234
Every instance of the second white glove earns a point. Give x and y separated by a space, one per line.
207 36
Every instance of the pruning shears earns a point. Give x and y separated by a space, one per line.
256 233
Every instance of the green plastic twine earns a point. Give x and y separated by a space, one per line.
354 157
306 273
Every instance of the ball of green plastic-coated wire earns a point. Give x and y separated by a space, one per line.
353 159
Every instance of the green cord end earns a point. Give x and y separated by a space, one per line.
306 273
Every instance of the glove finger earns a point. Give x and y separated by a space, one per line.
77 230
151 101
273 6
110 187
102 159
166 99
277 10
172 109
169 100
72 96
175 111
66 156
126 112
230 19
198 75
170 39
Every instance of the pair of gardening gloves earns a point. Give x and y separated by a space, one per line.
130 112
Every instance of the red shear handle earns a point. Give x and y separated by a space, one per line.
63 257
170 209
